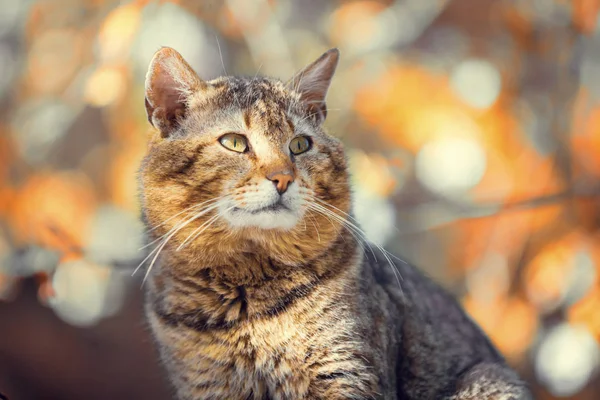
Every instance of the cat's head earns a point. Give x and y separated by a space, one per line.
237 160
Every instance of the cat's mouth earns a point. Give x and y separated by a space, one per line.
275 207
269 211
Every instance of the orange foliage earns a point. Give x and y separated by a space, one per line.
505 232
228 23
547 273
585 14
356 19
51 208
585 139
409 105
53 60
511 323
118 31
585 312
123 182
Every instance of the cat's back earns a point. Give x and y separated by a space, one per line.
432 339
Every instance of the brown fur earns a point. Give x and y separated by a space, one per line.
300 313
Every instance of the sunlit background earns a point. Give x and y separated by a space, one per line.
472 128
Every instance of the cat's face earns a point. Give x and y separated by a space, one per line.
242 157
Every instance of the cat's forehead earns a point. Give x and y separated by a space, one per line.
253 93
256 103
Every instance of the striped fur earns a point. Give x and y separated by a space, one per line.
300 313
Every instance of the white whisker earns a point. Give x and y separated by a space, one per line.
315 113
164 243
173 229
189 209
249 96
156 248
296 86
328 214
193 235
352 227
172 232
313 220
225 71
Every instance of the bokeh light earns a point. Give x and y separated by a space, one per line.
450 166
567 357
472 135
477 83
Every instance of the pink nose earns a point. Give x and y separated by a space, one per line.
281 180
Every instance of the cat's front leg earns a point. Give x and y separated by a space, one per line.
326 387
345 386
490 381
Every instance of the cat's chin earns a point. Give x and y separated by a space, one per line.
280 218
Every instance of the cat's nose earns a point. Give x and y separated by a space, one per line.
281 180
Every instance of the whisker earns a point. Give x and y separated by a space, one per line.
225 71
355 220
359 231
315 113
164 243
296 85
220 214
249 96
257 71
176 215
221 55
170 218
209 221
171 233
334 207
156 248
311 207
313 220
328 214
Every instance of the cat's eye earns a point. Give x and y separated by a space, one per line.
234 142
300 144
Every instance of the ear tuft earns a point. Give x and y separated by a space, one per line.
170 82
313 82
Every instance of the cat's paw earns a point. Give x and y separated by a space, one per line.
492 382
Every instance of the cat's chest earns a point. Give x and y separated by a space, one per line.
268 347
265 359
261 360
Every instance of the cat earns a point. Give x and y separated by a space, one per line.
262 285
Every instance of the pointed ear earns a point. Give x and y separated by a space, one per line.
170 82
313 82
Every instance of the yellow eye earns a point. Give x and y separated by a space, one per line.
299 145
234 142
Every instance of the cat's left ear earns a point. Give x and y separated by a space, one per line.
313 82
170 82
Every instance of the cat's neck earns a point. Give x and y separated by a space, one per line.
245 285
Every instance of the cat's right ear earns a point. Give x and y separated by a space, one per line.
170 82
313 82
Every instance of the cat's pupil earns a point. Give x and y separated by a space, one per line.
234 142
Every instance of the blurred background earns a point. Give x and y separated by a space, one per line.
472 128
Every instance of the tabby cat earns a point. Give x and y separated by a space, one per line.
263 286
